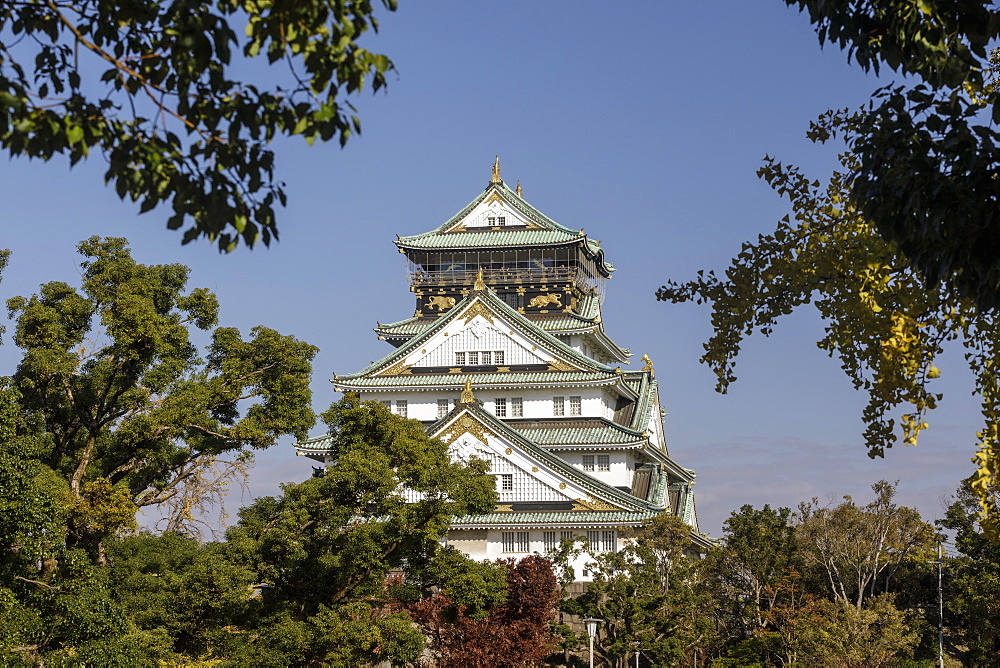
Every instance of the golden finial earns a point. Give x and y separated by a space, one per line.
649 365
520 193
496 171
467 396
480 284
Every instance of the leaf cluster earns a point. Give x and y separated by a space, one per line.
165 94
882 321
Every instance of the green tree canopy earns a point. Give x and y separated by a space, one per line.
172 97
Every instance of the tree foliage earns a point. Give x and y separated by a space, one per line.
112 409
881 320
858 550
516 631
972 603
652 592
161 92
927 154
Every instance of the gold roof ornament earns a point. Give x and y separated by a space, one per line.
467 396
480 284
649 365
520 193
496 171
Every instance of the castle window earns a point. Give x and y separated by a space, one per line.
559 406
608 542
594 540
487 357
515 541
498 357
588 462
575 406
517 407
566 535
473 358
506 482
603 463
501 220
500 407
387 404
401 408
459 359
550 542
442 407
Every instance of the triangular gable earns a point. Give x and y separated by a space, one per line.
536 475
498 197
481 314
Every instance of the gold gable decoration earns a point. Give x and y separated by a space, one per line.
593 503
400 368
478 308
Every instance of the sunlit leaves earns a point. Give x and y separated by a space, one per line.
882 321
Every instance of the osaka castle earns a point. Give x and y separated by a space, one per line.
506 359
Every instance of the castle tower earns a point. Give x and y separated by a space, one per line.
506 359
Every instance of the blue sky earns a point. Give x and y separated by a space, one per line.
643 123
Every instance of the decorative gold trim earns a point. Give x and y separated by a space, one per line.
562 485
519 192
534 469
455 369
400 368
503 369
477 308
496 171
480 284
504 508
509 451
649 365
559 365
494 198
593 503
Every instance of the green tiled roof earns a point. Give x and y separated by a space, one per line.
478 379
587 433
490 238
568 518
550 233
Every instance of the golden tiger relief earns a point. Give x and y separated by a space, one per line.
545 300
442 303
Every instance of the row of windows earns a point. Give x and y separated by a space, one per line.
401 407
559 406
500 406
477 357
598 541
603 463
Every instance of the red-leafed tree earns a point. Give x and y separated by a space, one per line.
517 632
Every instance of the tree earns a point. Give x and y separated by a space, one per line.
110 410
758 547
883 322
857 550
325 551
972 598
652 592
927 156
855 637
516 631
160 91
